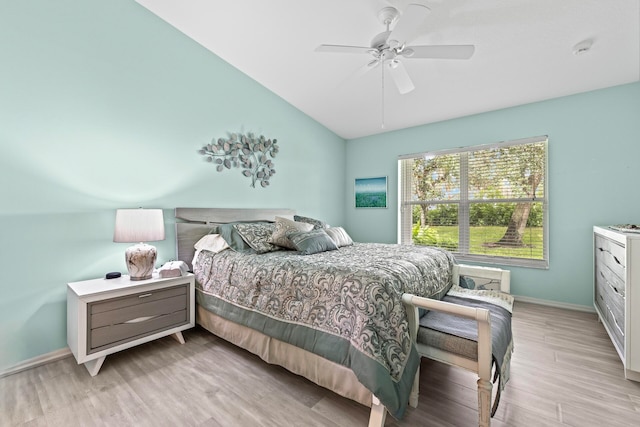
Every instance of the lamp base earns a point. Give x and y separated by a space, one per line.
140 259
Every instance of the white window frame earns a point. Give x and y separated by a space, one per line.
405 205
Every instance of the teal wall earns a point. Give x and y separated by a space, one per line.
104 106
594 149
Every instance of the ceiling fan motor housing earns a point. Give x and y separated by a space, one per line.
388 15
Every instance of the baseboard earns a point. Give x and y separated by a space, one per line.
66 352
37 361
568 306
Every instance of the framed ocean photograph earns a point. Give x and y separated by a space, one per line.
371 192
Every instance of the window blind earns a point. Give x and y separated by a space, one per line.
485 203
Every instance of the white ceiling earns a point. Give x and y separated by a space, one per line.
524 53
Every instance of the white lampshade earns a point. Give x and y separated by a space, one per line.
139 225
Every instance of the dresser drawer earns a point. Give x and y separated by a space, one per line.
612 255
617 336
605 274
611 300
115 321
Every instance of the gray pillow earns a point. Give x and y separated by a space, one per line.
312 242
257 235
283 227
339 236
315 222
233 238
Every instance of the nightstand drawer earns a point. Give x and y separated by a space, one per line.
115 321
116 334
136 299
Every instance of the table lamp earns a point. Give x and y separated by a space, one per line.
139 225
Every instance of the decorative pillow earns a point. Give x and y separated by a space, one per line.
233 238
257 235
339 236
315 222
312 242
285 226
467 282
212 243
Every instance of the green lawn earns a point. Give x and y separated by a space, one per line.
482 237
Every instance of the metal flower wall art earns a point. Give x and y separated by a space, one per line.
248 152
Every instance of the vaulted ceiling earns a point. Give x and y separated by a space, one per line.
525 51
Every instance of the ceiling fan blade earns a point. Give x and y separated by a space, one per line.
400 77
462 51
408 25
333 48
366 68
360 72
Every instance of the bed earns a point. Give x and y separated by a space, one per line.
335 317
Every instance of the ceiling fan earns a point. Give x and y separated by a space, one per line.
391 46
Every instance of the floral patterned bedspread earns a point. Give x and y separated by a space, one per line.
345 305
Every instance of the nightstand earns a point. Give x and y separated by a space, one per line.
105 316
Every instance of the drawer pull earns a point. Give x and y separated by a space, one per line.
615 258
615 322
145 318
615 290
144 295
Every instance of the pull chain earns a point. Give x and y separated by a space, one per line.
382 106
388 22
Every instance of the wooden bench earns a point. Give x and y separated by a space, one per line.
480 363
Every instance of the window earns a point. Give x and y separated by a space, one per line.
484 204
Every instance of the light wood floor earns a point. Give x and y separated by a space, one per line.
565 372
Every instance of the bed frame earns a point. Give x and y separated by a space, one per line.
193 223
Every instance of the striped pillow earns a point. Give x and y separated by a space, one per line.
312 242
339 236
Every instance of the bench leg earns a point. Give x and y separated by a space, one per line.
415 390
484 402
378 413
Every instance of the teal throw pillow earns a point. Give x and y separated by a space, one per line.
312 242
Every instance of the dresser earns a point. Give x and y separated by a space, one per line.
105 316
617 292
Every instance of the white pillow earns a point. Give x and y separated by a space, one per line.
209 242
339 236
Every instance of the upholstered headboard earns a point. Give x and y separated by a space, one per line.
193 223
